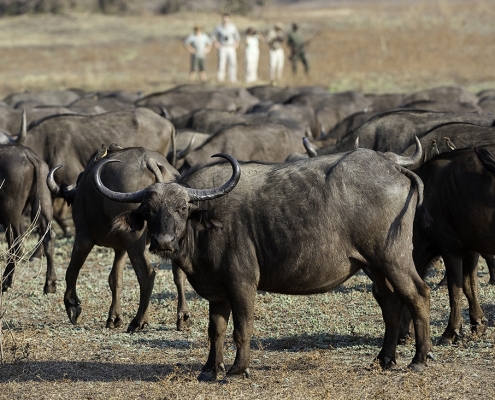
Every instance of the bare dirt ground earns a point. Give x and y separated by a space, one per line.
303 347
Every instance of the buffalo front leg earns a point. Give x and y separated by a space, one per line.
79 254
219 318
146 278
241 300
183 314
470 288
115 282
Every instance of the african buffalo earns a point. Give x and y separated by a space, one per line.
395 130
138 168
262 142
72 139
192 96
23 175
460 197
293 228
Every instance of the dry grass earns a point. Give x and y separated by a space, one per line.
311 346
371 45
303 347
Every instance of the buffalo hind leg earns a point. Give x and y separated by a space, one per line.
48 246
115 282
415 294
183 314
219 318
470 288
79 254
146 278
453 266
490 263
391 310
12 232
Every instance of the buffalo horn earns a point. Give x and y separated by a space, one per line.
135 197
208 194
23 130
52 185
183 153
309 148
356 143
414 159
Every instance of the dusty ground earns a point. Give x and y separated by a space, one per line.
304 347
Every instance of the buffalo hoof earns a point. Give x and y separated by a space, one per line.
183 321
113 323
207 376
136 326
416 367
74 310
50 287
449 339
244 374
388 363
491 282
478 329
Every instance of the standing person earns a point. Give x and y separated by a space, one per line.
275 40
198 44
226 39
296 43
252 54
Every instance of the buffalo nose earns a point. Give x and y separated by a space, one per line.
162 242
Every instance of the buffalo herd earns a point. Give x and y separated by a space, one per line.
307 188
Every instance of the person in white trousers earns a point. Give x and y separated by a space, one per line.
275 40
252 54
226 39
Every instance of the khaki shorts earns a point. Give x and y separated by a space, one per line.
197 63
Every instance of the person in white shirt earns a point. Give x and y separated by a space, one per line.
198 44
275 40
226 39
252 54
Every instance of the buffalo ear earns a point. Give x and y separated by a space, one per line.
203 219
128 221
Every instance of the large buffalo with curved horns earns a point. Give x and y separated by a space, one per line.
92 214
293 228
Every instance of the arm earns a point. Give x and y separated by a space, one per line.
189 48
214 38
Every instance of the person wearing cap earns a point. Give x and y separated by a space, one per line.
226 39
296 43
275 40
252 54
198 44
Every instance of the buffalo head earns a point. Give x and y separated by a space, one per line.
166 208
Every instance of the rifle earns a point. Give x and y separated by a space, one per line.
296 50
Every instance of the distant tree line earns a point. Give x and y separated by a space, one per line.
18 7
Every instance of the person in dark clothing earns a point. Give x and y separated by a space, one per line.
296 44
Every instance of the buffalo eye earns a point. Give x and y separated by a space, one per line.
182 210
